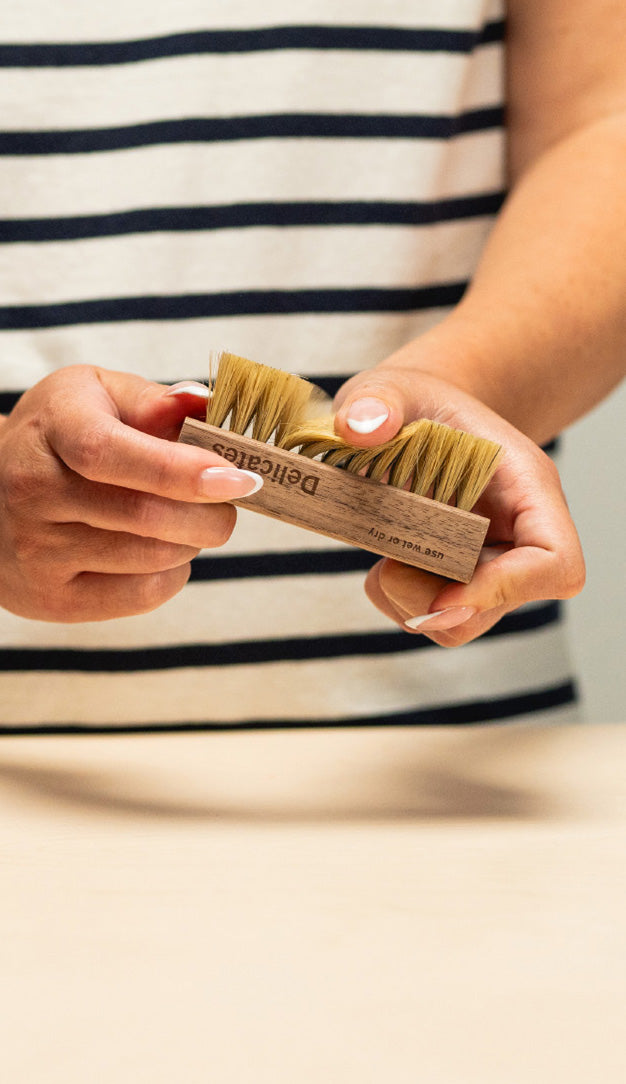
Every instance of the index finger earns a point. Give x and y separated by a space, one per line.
87 433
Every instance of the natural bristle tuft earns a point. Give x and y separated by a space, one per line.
247 395
426 457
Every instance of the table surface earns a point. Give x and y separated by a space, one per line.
437 906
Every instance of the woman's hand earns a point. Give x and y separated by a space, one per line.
102 510
532 549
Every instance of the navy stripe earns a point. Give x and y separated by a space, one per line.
239 303
294 649
133 660
227 129
294 563
475 712
329 384
246 215
8 399
376 38
537 617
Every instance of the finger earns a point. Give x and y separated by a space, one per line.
394 600
410 596
383 598
94 596
160 409
74 548
519 575
400 591
370 408
112 508
543 561
505 579
88 433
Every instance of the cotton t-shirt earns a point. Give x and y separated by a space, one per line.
309 185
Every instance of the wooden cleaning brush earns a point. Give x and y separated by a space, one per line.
409 498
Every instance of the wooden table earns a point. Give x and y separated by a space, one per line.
378 907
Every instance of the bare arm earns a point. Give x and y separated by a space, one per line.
540 336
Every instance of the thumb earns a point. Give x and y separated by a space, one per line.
371 408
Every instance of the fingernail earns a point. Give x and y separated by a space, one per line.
366 415
229 483
188 388
440 620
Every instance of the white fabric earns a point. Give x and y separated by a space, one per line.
164 263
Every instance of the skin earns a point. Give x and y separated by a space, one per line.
540 337
102 510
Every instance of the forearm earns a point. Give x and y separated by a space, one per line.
541 333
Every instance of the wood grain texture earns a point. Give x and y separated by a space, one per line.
339 896
376 517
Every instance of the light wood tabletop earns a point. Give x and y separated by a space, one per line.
396 906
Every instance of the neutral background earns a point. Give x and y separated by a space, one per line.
592 469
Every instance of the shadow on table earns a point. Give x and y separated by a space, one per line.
484 773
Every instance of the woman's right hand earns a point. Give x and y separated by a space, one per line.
102 510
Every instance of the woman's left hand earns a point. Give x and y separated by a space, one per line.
532 549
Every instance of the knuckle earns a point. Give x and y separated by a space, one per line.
148 593
163 556
573 577
55 604
166 468
26 548
155 589
21 483
221 526
500 595
90 451
549 466
31 550
146 513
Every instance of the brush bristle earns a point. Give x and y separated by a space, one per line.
247 395
429 458
426 457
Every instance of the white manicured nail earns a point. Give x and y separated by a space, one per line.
256 480
367 414
441 620
229 483
188 388
415 622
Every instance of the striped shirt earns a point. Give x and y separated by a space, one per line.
308 184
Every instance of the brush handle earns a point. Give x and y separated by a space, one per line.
374 516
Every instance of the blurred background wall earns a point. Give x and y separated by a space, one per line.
593 470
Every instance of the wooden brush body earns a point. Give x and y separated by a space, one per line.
377 517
